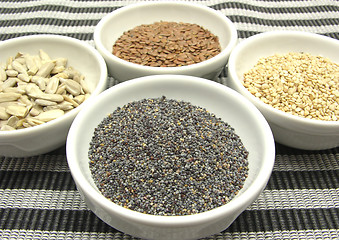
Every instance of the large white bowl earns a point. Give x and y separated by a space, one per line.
113 25
51 135
288 129
233 108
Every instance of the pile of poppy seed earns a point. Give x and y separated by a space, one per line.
166 157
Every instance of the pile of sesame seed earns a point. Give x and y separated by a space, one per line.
297 83
166 157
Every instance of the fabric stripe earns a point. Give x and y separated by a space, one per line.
48 20
41 199
229 12
278 10
50 29
313 29
290 172
64 181
259 6
303 180
36 180
245 34
50 162
306 162
248 221
306 234
302 199
38 234
52 220
285 162
80 36
268 199
289 220
94 3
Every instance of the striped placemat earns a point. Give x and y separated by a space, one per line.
38 197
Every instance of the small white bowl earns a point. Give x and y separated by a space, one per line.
51 135
227 104
113 25
288 129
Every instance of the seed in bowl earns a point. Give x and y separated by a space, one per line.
297 83
166 157
35 89
167 44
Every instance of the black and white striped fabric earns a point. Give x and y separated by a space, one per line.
39 200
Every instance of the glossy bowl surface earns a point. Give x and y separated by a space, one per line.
288 129
51 135
233 108
114 24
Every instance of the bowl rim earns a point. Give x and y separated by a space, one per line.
169 70
12 135
266 107
240 203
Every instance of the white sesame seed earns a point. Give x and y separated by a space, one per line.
297 83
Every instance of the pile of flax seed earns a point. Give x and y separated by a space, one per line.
167 44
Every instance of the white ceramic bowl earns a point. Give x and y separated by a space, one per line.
233 108
113 25
288 129
51 135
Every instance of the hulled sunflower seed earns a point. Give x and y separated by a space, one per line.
73 87
49 115
11 73
34 122
51 97
40 81
17 110
36 110
52 85
65 106
13 121
7 128
45 69
57 69
61 62
32 91
79 99
44 56
85 86
43 102
70 100
31 65
7 97
3 114
9 63
61 89
24 77
3 75
10 82
17 66
14 90
25 100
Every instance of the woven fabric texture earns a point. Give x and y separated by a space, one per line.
39 199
